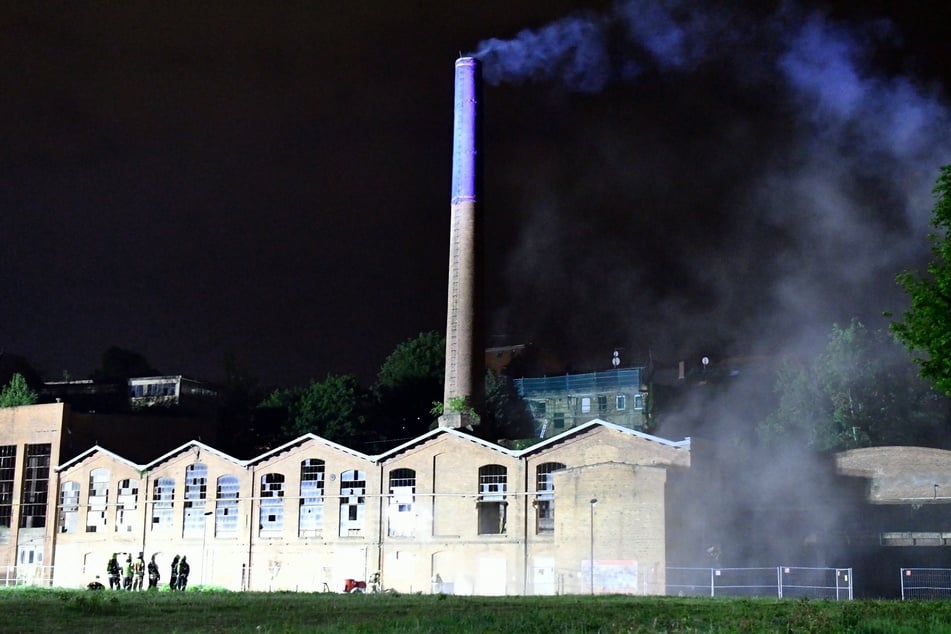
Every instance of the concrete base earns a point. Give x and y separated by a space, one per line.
458 420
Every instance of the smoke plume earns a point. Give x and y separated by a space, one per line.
739 176
734 183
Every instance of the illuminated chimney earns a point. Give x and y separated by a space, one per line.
465 354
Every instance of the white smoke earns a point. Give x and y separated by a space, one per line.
738 184
819 176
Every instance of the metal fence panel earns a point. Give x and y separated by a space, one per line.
815 583
781 582
26 576
690 582
746 582
926 583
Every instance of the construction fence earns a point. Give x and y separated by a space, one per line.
790 582
11 576
926 583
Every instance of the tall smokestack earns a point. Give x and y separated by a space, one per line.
465 353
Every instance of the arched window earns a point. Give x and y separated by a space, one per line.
226 506
401 514
492 502
545 497
272 505
353 489
311 497
127 500
163 494
196 491
97 501
69 507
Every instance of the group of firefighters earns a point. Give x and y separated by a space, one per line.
131 575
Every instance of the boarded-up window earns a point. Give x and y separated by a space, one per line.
353 489
69 507
311 497
401 512
97 503
545 497
492 500
272 505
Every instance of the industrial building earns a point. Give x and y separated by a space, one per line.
583 511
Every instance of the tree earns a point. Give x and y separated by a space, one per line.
925 328
862 390
17 393
331 409
506 415
240 394
11 364
118 365
803 407
409 381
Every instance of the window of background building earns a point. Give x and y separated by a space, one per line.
127 501
97 500
8 459
585 405
492 504
537 408
621 401
545 497
602 404
69 507
558 420
311 497
353 489
226 506
272 504
401 514
638 401
196 492
36 480
163 505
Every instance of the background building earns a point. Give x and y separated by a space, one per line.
558 403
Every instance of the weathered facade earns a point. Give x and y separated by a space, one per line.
902 515
447 512
909 489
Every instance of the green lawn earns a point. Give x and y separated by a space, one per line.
53 610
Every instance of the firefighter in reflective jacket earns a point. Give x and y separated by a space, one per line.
138 572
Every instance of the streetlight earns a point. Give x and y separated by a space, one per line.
593 502
204 536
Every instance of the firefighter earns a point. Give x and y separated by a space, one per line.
154 575
138 572
112 569
183 570
173 582
127 573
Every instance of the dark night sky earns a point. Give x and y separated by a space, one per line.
271 180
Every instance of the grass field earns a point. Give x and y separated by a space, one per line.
54 610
